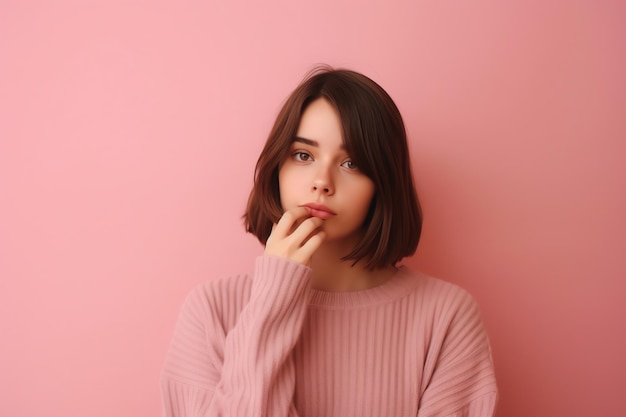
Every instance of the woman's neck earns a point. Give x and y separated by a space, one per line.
330 273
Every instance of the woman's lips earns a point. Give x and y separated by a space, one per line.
320 210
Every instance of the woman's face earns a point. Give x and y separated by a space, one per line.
319 173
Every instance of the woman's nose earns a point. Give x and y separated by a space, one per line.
322 182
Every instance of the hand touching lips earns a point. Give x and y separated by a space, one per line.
319 210
296 236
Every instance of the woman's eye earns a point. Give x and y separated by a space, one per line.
302 156
349 165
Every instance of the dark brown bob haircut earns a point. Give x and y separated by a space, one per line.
374 137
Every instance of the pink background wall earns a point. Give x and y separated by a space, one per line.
128 135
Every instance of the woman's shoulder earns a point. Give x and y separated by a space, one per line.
438 294
223 287
220 299
444 313
224 298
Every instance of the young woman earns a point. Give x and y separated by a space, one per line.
328 324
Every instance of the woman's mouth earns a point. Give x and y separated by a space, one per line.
320 210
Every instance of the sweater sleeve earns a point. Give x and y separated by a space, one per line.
247 370
460 368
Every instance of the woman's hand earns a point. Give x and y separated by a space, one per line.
296 236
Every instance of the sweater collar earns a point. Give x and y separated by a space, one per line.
400 284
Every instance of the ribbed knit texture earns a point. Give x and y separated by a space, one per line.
269 345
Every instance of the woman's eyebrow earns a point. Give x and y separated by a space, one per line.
312 142
306 141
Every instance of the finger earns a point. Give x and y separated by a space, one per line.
288 219
310 246
305 229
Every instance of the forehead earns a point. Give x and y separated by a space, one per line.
320 122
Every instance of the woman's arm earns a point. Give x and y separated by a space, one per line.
461 379
247 370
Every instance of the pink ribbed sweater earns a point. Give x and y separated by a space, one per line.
269 345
